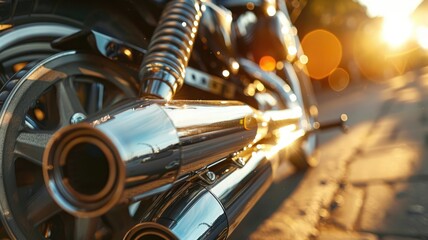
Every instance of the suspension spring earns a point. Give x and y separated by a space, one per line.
163 69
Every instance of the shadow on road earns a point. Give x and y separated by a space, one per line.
267 205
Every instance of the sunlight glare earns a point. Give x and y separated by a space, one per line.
397 24
383 8
397 30
422 36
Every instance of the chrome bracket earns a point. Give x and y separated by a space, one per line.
241 158
209 83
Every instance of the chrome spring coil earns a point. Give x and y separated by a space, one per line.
163 69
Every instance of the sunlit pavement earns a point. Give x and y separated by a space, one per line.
372 183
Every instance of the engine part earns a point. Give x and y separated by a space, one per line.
163 69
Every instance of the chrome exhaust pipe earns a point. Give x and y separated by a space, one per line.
142 148
225 203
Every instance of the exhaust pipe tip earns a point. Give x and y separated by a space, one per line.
82 172
150 230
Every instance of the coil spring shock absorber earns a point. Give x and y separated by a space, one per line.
163 69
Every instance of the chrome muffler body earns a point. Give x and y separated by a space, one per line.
141 148
197 210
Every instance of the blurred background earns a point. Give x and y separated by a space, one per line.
350 41
368 59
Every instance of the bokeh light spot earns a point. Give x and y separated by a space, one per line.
279 65
40 115
250 6
267 63
338 79
324 52
303 59
225 73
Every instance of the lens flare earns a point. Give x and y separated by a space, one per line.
338 79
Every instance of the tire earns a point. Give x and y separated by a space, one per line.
303 153
28 26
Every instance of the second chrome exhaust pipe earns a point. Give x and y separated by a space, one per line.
225 202
142 148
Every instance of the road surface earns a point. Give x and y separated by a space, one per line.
372 183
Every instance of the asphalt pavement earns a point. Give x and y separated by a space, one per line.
372 183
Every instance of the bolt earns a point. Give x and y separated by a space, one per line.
240 161
210 176
77 117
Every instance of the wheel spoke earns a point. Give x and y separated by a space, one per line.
68 101
41 207
31 145
85 228
95 97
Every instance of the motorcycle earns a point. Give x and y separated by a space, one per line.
146 119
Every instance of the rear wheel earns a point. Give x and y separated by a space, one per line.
26 43
58 91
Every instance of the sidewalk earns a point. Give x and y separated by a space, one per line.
373 182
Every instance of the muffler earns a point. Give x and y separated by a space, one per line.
197 210
142 148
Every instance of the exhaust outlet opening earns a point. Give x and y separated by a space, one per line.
82 172
149 231
148 236
87 173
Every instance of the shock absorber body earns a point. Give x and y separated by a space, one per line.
163 69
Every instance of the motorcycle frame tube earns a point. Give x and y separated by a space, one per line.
225 202
142 146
